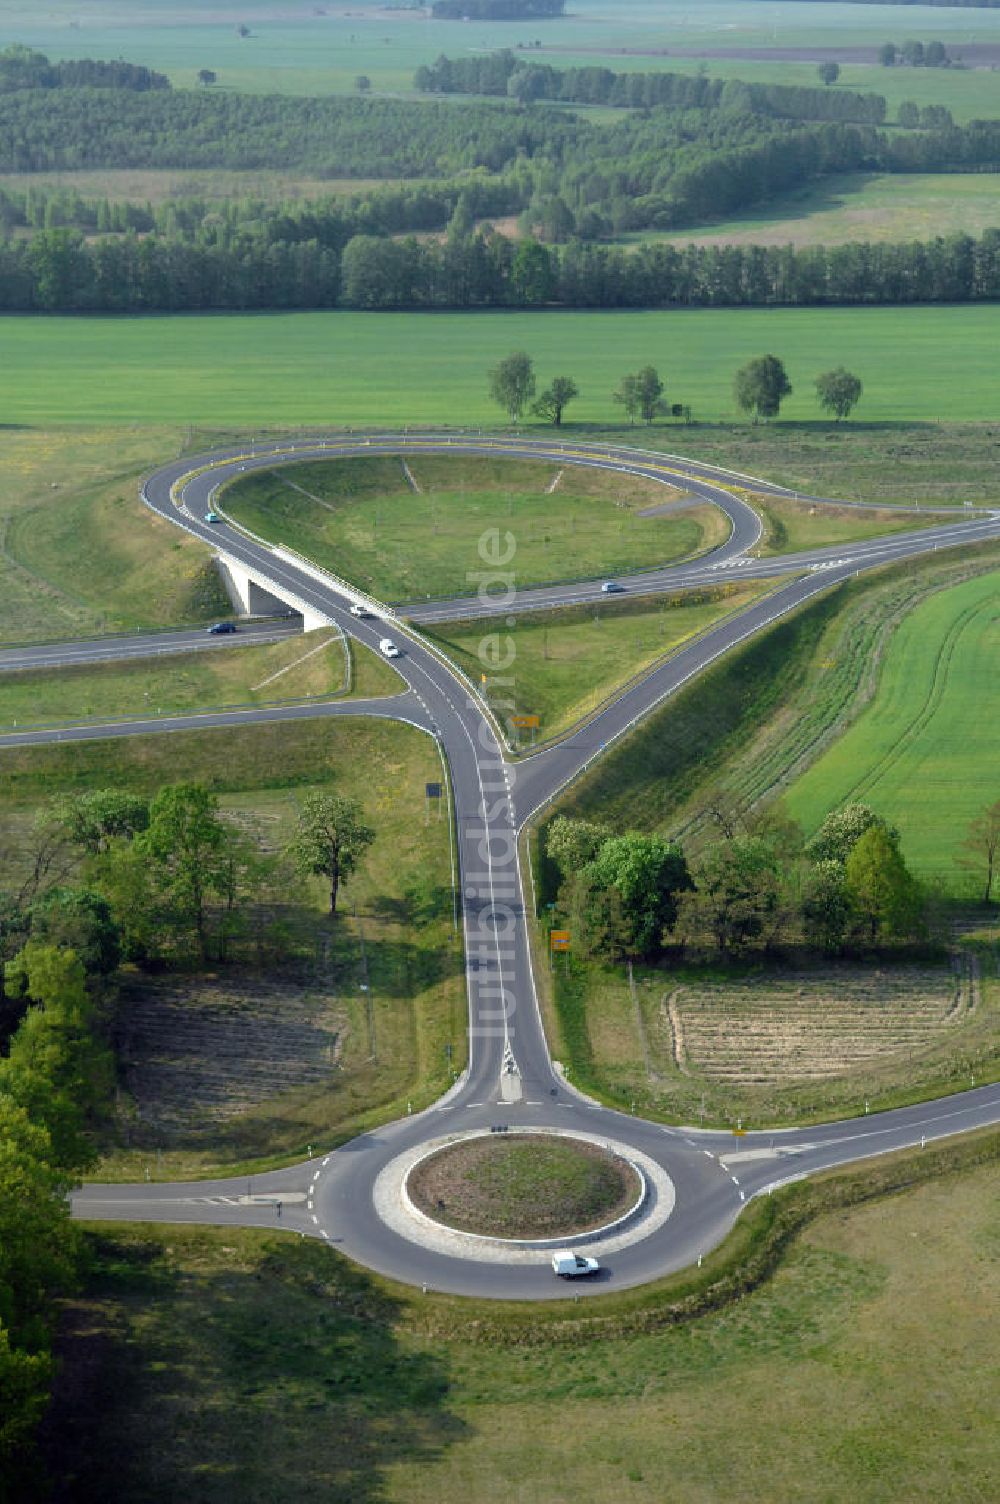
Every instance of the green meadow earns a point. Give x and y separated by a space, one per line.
406 536
924 751
359 369
861 206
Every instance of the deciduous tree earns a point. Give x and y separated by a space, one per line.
573 844
841 831
647 873
650 392
981 846
93 820
628 396
554 399
838 391
885 897
761 386
330 840
186 841
512 384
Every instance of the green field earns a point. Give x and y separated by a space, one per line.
569 662
754 720
924 752
926 364
209 1363
861 206
405 536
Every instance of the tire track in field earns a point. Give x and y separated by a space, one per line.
932 701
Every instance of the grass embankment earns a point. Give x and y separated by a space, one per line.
899 464
79 554
792 526
524 1186
408 534
924 751
924 364
254 1061
180 1372
311 666
760 715
569 662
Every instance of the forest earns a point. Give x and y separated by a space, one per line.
503 73
689 150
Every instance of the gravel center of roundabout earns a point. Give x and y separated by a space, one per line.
524 1186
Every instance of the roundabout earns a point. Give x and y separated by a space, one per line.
524 1188
358 1197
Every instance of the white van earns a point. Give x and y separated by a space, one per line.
388 648
572 1265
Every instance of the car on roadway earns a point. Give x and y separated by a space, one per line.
358 610
221 628
573 1265
611 587
388 648
212 517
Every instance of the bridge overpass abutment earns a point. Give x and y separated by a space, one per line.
253 595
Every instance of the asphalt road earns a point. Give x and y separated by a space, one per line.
66 654
510 1077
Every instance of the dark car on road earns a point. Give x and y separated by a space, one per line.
220 628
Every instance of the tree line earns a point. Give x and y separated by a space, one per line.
23 68
59 271
497 10
760 386
504 73
759 886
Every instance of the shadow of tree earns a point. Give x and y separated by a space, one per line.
221 1366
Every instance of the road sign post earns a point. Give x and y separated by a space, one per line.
558 942
526 723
